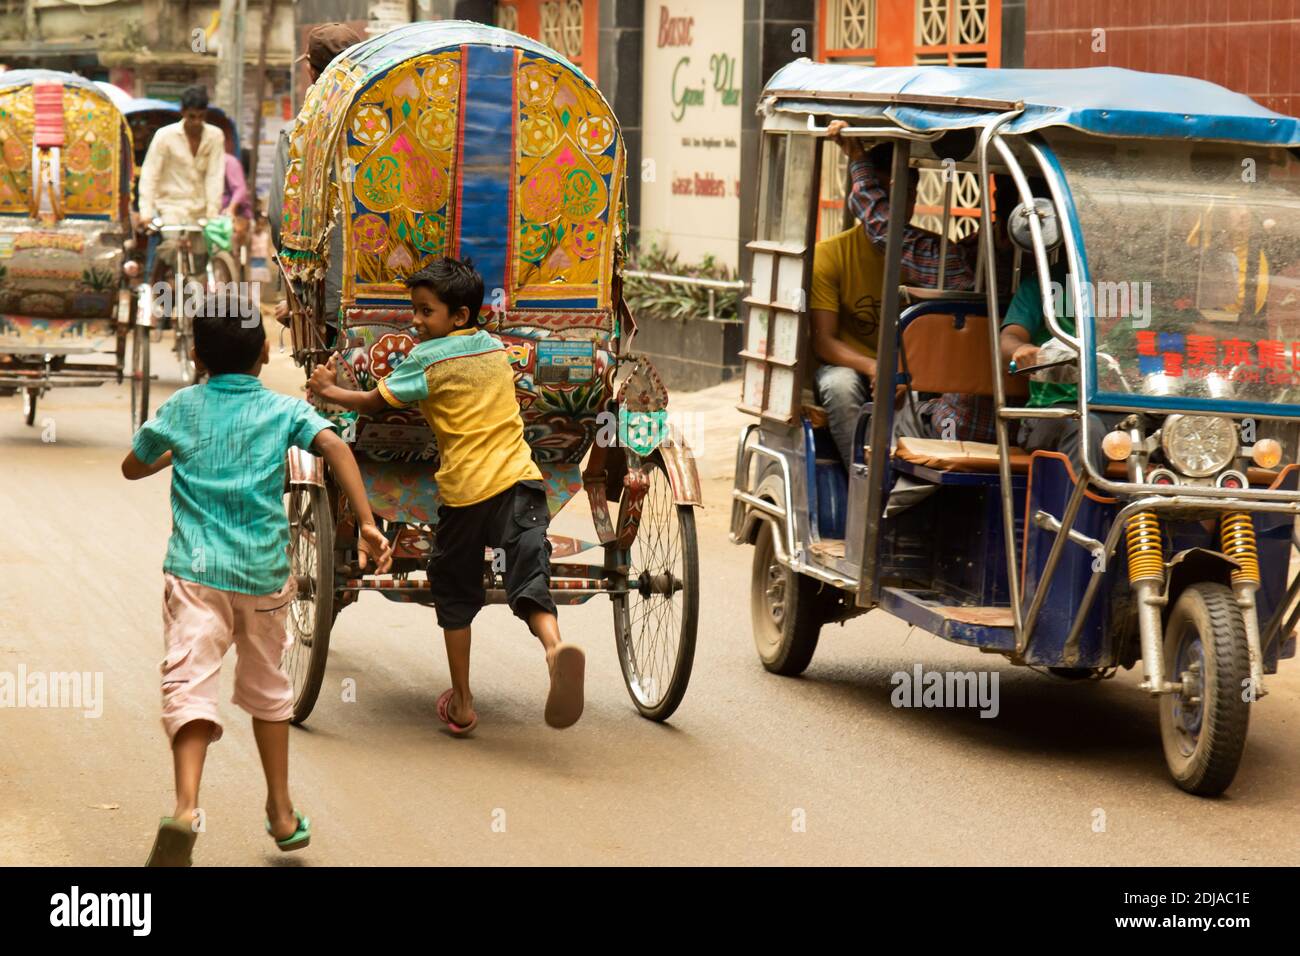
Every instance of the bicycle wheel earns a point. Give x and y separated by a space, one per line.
657 613
225 269
139 377
312 613
184 341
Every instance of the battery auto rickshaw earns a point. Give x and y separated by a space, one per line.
1169 208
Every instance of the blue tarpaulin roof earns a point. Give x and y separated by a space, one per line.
142 103
1107 101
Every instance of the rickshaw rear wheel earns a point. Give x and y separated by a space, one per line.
786 610
655 619
139 377
1204 726
29 405
312 611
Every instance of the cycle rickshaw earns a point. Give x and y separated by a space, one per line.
175 262
458 139
65 186
1170 207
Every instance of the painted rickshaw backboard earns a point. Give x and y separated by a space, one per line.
462 140
60 245
93 138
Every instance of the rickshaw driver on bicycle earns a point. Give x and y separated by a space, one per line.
848 274
183 174
324 43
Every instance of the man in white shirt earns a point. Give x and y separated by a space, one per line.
183 174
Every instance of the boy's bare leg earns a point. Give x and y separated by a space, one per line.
546 627
189 750
272 738
461 708
567 665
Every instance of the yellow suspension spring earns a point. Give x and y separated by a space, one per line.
1237 533
1146 558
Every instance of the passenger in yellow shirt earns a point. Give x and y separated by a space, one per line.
491 488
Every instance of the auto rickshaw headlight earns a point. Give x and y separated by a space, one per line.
1267 453
1199 445
1117 445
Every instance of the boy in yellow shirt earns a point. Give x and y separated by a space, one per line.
491 488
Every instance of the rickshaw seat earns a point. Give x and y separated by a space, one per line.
945 348
960 456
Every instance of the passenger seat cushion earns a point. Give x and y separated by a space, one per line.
966 456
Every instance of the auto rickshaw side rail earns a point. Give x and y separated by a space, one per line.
786 547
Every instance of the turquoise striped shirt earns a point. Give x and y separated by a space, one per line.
228 440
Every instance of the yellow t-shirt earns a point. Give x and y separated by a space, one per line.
848 275
466 391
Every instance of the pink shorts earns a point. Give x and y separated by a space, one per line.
199 625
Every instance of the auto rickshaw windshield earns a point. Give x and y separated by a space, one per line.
1192 255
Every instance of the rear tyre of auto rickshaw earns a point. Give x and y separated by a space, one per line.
311 614
1204 726
1071 673
29 405
655 619
786 610
139 377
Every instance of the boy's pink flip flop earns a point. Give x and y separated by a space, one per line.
444 714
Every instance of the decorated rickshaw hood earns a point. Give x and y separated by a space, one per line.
92 136
321 136
1104 101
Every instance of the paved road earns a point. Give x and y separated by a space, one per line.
747 756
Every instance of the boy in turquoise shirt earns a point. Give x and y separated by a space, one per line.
226 574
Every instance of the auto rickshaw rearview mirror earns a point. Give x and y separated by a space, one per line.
1018 225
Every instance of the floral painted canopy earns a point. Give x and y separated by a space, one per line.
42 110
457 139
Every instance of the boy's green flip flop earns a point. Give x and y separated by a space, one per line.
173 844
296 840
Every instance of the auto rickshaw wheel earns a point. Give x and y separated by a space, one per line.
1204 726
657 613
139 377
786 611
312 611
29 405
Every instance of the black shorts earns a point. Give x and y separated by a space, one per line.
512 523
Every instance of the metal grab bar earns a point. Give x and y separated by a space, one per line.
787 551
884 132
727 285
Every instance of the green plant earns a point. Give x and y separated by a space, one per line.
675 300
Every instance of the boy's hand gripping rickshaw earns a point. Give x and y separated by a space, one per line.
65 188
462 140
1166 211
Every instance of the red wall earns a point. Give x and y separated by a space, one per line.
1252 46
